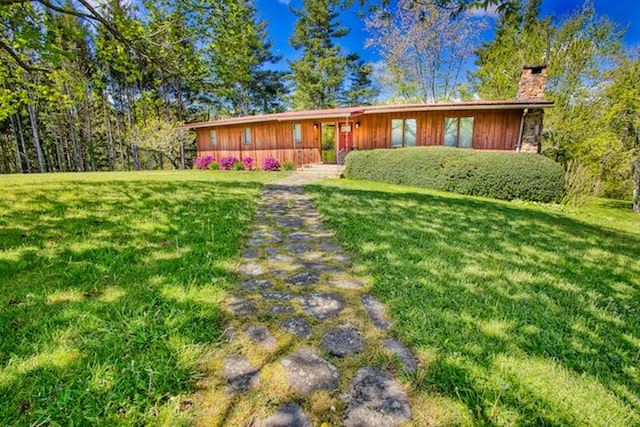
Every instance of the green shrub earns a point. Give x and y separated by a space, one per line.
214 166
288 166
578 185
500 175
238 166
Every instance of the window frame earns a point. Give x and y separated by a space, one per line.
246 135
403 136
293 131
213 138
458 126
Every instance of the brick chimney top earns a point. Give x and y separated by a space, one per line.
532 82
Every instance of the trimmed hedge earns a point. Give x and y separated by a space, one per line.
500 175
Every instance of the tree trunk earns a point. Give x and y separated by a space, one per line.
87 136
23 147
74 140
120 143
181 118
636 184
36 138
107 122
17 139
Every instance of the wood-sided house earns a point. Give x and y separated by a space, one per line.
304 137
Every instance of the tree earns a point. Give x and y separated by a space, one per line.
361 90
320 72
520 39
238 52
623 118
163 138
424 48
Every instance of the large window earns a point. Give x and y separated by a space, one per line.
458 132
297 133
403 132
213 137
247 135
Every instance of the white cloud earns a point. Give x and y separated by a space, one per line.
478 12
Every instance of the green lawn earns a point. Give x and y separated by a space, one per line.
110 289
520 314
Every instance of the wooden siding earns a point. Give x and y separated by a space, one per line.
493 130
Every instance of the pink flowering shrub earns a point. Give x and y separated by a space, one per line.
248 163
227 163
203 162
270 164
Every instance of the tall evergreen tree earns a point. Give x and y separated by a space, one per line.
520 39
238 53
320 72
361 90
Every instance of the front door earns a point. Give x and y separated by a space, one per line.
328 142
345 140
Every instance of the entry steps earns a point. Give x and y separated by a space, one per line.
322 169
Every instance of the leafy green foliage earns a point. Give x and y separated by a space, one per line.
578 185
520 314
498 175
238 51
111 286
320 72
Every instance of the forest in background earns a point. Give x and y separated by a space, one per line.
87 86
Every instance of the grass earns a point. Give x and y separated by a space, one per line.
520 314
111 286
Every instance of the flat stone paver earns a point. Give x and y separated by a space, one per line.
304 278
256 285
404 354
322 305
241 306
376 399
279 309
251 253
261 336
295 279
277 296
240 375
375 310
307 372
298 326
251 269
289 415
343 340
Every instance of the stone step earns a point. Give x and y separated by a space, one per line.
321 169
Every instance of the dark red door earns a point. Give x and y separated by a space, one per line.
345 136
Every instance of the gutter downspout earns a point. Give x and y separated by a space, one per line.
519 143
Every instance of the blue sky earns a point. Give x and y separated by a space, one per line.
281 23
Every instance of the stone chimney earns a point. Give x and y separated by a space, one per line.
532 82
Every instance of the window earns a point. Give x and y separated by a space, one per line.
403 132
213 137
297 133
458 132
247 135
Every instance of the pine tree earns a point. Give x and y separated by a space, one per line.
520 39
361 90
238 52
320 72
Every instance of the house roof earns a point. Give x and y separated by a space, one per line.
352 112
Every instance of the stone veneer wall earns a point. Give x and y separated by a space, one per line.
532 131
532 82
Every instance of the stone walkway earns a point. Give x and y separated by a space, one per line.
307 339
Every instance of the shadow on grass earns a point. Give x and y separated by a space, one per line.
527 316
110 293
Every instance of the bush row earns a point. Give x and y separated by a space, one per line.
500 175
233 163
